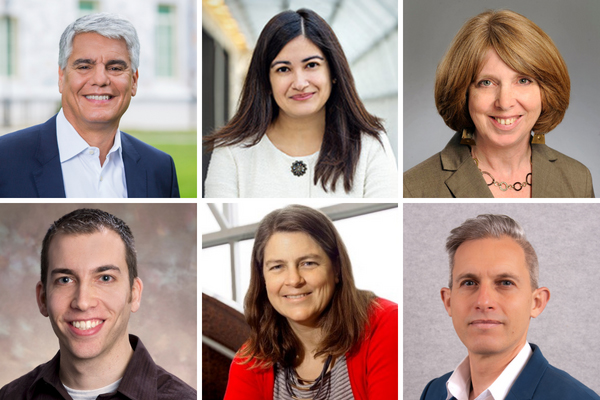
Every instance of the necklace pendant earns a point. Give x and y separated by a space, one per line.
298 168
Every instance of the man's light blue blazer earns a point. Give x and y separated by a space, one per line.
30 165
538 381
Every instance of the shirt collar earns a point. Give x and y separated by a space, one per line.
70 143
459 383
138 383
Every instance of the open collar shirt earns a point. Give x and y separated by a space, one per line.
459 384
83 176
143 380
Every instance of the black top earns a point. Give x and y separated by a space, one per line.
143 380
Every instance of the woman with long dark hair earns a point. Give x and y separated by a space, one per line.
300 130
314 335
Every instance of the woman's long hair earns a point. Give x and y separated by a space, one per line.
343 322
346 116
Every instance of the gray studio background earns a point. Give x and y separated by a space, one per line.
165 236
566 238
574 26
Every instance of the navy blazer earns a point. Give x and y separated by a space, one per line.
30 165
538 381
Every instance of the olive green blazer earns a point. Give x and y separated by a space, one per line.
452 173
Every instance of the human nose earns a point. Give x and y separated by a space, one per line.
84 298
300 82
293 277
485 298
505 97
100 76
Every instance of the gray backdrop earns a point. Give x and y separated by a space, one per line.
566 238
165 237
574 26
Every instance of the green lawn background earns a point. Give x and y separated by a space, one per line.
182 146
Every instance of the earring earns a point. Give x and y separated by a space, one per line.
334 81
468 138
538 138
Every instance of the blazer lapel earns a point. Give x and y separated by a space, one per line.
48 174
466 181
135 173
529 379
545 173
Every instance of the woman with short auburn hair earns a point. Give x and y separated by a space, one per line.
501 79
300 130
314 335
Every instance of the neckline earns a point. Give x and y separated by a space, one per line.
270 144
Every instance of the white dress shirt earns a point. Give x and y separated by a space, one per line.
459 384
92 394
80 163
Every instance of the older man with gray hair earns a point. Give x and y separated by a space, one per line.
81 152
492 295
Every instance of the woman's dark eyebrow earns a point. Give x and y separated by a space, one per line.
304 60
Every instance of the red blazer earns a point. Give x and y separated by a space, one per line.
372 365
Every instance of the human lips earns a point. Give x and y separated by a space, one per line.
296 296
98 97
485 323
86 327
506 122
302 96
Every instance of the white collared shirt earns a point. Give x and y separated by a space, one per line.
459 384
80 163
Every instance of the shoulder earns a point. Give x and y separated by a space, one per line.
436 389
20 386
171 387
383 309
25 140
560 385
248 382
425 179
563 161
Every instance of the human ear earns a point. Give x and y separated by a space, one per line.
540 298
61 75
446 294
136 294
134 83
40 295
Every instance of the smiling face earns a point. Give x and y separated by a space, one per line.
300 79
503 104
491 300
97 84
299 277
87 296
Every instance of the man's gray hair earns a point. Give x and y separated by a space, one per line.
493 226
108 25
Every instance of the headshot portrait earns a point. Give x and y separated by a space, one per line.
503 93
306 122
508 309
313 325
118 294
73 135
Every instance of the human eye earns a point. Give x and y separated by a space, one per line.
63 280
106 278
274 267
525 81
467 282
506 283
312 65
484 83
282 69
308 263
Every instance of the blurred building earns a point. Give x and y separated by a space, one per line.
29 35
367 31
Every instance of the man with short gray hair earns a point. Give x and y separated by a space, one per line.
492 295
81 152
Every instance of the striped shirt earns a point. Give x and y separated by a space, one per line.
336 385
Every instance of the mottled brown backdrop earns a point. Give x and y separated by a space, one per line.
165 236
